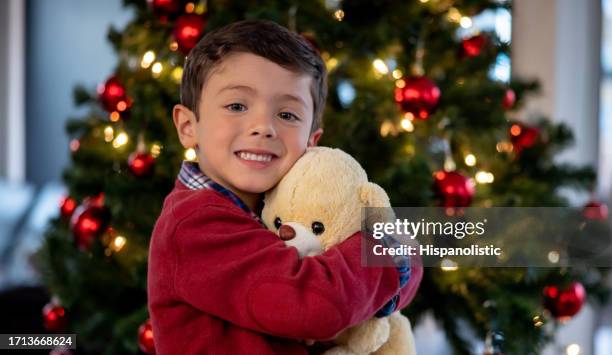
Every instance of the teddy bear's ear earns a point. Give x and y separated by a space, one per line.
372 195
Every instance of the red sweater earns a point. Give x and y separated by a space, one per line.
219 283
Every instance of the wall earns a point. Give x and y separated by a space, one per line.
12 73
66 45
558 42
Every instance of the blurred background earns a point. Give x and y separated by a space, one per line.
50 47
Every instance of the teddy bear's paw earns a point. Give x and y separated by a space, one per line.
370 335
401 338
340 350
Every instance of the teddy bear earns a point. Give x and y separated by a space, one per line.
318 204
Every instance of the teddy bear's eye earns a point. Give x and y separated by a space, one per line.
318 228
277 222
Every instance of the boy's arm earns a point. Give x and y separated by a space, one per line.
228 266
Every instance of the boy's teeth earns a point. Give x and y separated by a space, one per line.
256 157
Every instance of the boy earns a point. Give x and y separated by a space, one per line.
252 99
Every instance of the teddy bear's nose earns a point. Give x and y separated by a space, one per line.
286 232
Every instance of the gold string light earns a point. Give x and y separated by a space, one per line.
484 177
121 140
406 124
114 116
156 69
109 134
331 64
190 154
177 74
155 150
380 66
448 265
470 159
465 22
339 15
147 59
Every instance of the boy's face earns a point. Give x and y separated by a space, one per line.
254 123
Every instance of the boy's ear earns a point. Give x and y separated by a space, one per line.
314 137
185 123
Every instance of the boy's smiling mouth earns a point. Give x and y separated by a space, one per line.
256 157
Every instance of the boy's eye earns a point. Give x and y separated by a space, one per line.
318 228
277 222
288 116
236 107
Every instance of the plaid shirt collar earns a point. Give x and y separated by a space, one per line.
191 176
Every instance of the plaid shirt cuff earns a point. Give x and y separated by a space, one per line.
402 264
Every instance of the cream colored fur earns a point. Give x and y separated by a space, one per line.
328 186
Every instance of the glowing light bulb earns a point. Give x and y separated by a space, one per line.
331 63
190 154
572 349
553 256
156 69
121 140
189 8
177 74
155 150
339 15
484 177
118 243
114 116
109 133
380 66
407 125
448 265
465 22
147 59
453 15
470 160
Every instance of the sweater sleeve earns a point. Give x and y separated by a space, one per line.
228 266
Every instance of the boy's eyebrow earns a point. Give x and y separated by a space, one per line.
237 87
253 91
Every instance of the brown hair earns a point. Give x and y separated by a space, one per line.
265 39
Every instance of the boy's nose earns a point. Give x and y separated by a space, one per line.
264 126
263 130
286 232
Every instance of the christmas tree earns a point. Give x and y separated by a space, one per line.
411 98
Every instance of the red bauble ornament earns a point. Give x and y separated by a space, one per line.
419 96
453 189
188 30
113 96
145 337
67 207
523 137
595 211
472 47
54 317
89 221
509 99
564 304
141 164
166 9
